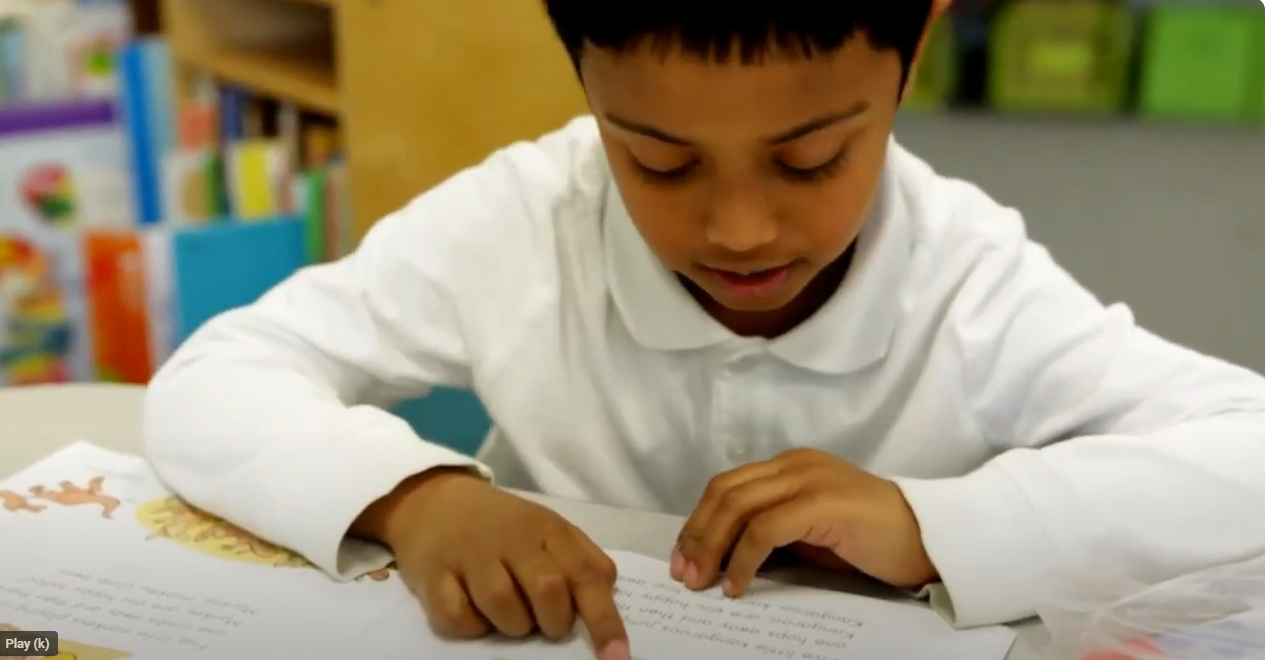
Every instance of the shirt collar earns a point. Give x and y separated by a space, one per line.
851 330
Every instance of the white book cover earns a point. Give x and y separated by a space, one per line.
160 300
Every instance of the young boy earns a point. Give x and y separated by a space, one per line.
728 293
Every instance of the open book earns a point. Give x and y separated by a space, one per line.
99 551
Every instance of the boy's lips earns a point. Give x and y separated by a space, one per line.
751 282
746 269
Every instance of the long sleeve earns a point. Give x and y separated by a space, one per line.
1118 453
271 416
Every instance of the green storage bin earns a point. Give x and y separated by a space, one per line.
938 76
1061 56
1254 107
1204 62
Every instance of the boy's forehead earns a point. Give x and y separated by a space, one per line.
670 87
658 60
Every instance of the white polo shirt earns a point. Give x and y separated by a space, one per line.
1036 433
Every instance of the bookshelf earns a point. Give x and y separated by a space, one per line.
419 88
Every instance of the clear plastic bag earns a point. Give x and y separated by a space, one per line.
1216 614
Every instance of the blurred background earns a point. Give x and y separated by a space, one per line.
162 161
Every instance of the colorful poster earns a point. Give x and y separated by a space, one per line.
63 165
42 329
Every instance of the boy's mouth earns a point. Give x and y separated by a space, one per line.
752 283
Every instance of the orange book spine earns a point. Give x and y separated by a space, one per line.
117 306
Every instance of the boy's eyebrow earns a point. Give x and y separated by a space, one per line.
801 130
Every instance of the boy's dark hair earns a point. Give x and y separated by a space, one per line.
749 30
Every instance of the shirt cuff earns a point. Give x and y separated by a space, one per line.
318 499
987 542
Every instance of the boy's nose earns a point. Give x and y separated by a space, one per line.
741 226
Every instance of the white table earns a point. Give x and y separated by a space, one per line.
37 421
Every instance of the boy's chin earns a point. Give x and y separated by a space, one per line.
703 287
766 303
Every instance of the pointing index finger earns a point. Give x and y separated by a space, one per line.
587 569
596 606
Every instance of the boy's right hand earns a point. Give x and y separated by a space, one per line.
482 560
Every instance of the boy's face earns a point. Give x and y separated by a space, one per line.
730 168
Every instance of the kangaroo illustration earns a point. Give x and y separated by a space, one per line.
175 529
72 495
177 520
15 502
245 542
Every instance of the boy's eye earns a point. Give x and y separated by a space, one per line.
671 174
818 172
799 174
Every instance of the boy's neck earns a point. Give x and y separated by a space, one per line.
774 323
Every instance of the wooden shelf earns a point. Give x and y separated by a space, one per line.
468 91
303 75
323 3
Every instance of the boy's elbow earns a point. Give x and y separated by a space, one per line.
243 388
167 449
170 431
197 402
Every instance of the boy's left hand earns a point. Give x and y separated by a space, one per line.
802 496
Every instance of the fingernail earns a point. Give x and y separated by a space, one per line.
677 563
691 576
615 651
728 587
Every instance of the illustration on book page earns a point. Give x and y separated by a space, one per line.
112 558
66 493
167 518
174 520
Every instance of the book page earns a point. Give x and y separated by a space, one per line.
103 554
773 621
145 615
99 551
665 621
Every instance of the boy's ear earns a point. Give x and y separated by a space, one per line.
937 11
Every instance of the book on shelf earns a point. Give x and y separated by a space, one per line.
111 304
60 182
141 121
12 60
128 221
233 155
120 306
57 49
225 153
